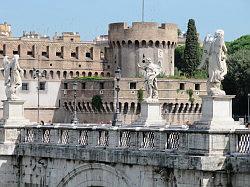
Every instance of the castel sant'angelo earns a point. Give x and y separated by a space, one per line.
65 59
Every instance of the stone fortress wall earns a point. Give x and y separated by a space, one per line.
176 107
65 57
131 45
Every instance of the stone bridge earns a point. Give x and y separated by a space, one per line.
107 156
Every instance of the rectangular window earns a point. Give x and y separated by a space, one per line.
59 54
101 85
182 86
29 53
73 55
42 85
65 85
25 86
44 53
15 52
88 55
83 86
132 85
197 86
1 52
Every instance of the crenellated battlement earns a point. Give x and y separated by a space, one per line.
141 32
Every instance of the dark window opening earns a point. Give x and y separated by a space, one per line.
197 86
102 55
1 52
65 85
88 55
44 53
15 52
83 86
73 54
101 85
108 66
29 53
182 86
50 65
80 65
59 54
42 85
132 85
71 39
25 86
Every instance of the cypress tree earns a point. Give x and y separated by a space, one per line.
191 51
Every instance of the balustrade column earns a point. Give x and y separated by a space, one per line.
74 136
113 138
93 137
54 136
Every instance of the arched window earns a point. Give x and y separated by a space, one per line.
132 108
96 74
144 43
136 43
123 43
130 44
163 44
24 74
118 44
108 74
150 43
58 73
65 74
125 109
102 74
83 74
71 74
157 44
138 109
31 74
112 106
89 74
168 44
77 74
51 74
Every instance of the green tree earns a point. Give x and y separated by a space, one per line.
191 51
237 81
179 57
97 102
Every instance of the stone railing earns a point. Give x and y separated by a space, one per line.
161 139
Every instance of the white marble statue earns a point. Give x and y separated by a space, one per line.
214 54
12 77
151 71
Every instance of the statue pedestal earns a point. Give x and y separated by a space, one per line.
13 113
150 114
217 113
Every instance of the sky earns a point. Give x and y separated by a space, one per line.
91 17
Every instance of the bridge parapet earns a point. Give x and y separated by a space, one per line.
181 141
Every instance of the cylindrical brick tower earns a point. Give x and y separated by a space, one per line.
130 45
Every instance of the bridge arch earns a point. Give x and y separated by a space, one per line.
95 174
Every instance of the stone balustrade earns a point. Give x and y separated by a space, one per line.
181 141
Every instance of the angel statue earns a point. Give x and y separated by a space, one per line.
151 71
214 54
12 77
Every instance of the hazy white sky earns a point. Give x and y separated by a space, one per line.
91 17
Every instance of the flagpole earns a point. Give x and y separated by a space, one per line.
142 10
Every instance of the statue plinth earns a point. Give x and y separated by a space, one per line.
217 113
150 114
13 113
